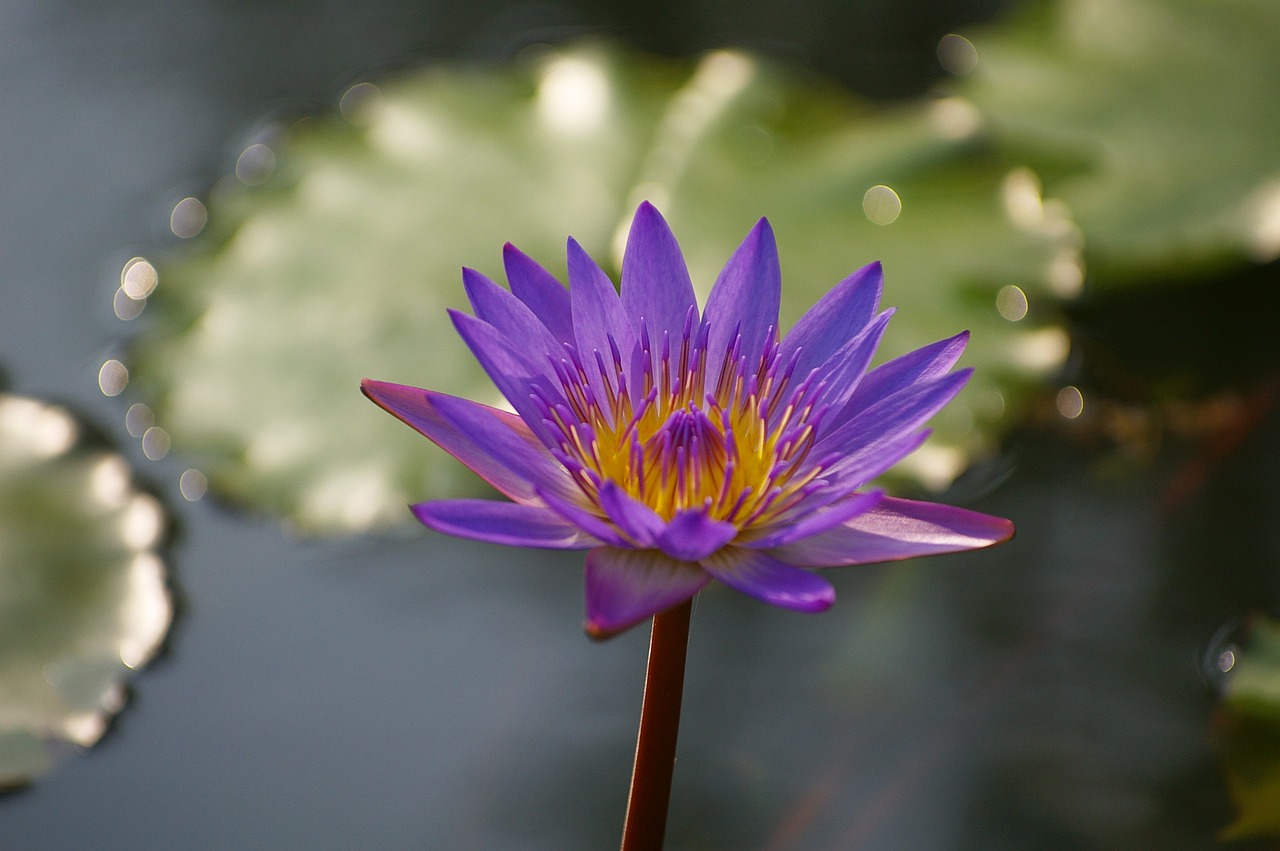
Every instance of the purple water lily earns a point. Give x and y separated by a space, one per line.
678 448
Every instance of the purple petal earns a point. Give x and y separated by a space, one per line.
418 409
540 290
745 298
598 315
591 523
655 280
513 319
888 418
914 367
842 372
519 452
624 587
640 522
839 315
512 371
760 575
502 523
870 460
898 529
692 535
816 522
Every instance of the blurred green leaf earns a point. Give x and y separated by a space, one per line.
341 264
1155 120
82 593
1250 733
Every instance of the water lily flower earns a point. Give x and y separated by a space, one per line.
679 447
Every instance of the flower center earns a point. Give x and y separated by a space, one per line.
736 450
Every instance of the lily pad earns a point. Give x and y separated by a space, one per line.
334 250
83 600
1155 120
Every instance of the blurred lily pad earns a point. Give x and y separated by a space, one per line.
1250 732
82 592
333 251
1155 120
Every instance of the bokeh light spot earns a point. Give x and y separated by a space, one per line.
113 376
188 218
573 94
255 164
138 278
957 55
1011 302
1070 402
881 205
192 484
155 443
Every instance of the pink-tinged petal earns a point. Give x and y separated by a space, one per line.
745 299
638 521
519 452
655 281
519 379
513 319
760 575
898 529
692 535
914 367
507 523
889 418
624 587
826 327
815 522
588 521
540 290
418 409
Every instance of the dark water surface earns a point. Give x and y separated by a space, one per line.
420 692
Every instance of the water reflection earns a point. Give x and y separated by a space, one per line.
82 591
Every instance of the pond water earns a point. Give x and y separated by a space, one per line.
412 691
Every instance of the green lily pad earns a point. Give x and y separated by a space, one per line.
1250 733
334 250
82 592
1155 120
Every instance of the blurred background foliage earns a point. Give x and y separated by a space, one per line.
1091 187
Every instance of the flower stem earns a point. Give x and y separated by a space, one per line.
659 725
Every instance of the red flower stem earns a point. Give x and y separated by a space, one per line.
659 725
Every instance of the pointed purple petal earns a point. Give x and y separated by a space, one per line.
839 315
512 318
502 523
516 376
519 452
843 371
870 460
817 521
591 523
745 298
888 418
762 576
914 367
655 280
418 409
540 290
692 535
598 315
624 587
640 522
898 529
